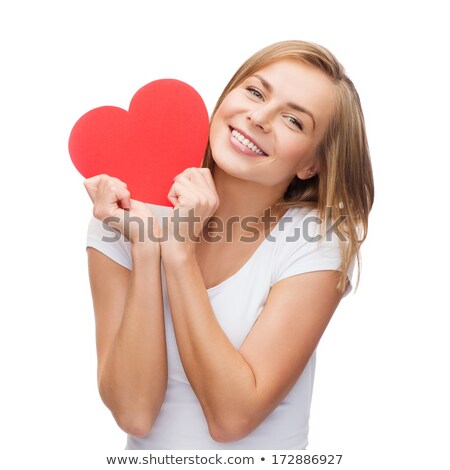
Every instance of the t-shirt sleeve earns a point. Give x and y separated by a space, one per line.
301 249
110 242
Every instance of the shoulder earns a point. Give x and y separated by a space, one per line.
306 242
299 218
112 243
304 229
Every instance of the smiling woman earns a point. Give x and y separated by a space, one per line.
211 344
268 114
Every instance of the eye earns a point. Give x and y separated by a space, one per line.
293 120
255 92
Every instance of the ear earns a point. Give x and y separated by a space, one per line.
308 172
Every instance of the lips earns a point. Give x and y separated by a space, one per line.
245 143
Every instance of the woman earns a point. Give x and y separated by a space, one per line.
206 333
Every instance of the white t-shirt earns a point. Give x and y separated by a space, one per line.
236 303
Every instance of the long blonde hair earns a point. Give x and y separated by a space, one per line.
343 189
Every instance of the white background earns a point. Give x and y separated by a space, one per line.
381 391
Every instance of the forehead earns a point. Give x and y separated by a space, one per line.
300 83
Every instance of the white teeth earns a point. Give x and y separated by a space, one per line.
246 142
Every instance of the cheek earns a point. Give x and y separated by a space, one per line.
296 152
213 131
217 135
290 146
218 128
217 119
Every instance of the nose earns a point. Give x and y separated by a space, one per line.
260 117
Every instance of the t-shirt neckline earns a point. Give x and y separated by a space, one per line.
271 234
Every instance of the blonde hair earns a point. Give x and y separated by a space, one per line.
343 186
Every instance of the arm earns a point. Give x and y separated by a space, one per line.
238 389
131 349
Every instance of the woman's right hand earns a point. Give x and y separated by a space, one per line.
111 199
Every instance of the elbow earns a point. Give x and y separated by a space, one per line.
134 419
138 425
230 430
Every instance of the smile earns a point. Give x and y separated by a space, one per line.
247 144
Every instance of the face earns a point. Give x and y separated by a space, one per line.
267 129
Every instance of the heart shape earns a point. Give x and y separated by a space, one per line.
164 132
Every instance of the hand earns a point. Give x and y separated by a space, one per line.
195 200
113 205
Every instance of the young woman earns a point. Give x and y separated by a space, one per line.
206 331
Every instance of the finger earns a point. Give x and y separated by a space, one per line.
95 180
204 181
173 199
178 175
196 176
118 181
91 190
183 192
189 173
106 181
103 178
206 174
190 176
191 185
125 202
178 190
202 177
111 195
188 194
123 196
92 184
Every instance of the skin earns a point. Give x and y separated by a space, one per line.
129 317
246 186
253 380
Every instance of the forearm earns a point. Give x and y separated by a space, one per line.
134 377
221 378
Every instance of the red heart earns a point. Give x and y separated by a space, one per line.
164 132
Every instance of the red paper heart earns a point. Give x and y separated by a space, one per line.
164 132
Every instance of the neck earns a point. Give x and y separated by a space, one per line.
244 198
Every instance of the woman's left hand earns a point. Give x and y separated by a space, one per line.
195 200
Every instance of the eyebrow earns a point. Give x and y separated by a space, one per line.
294 106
